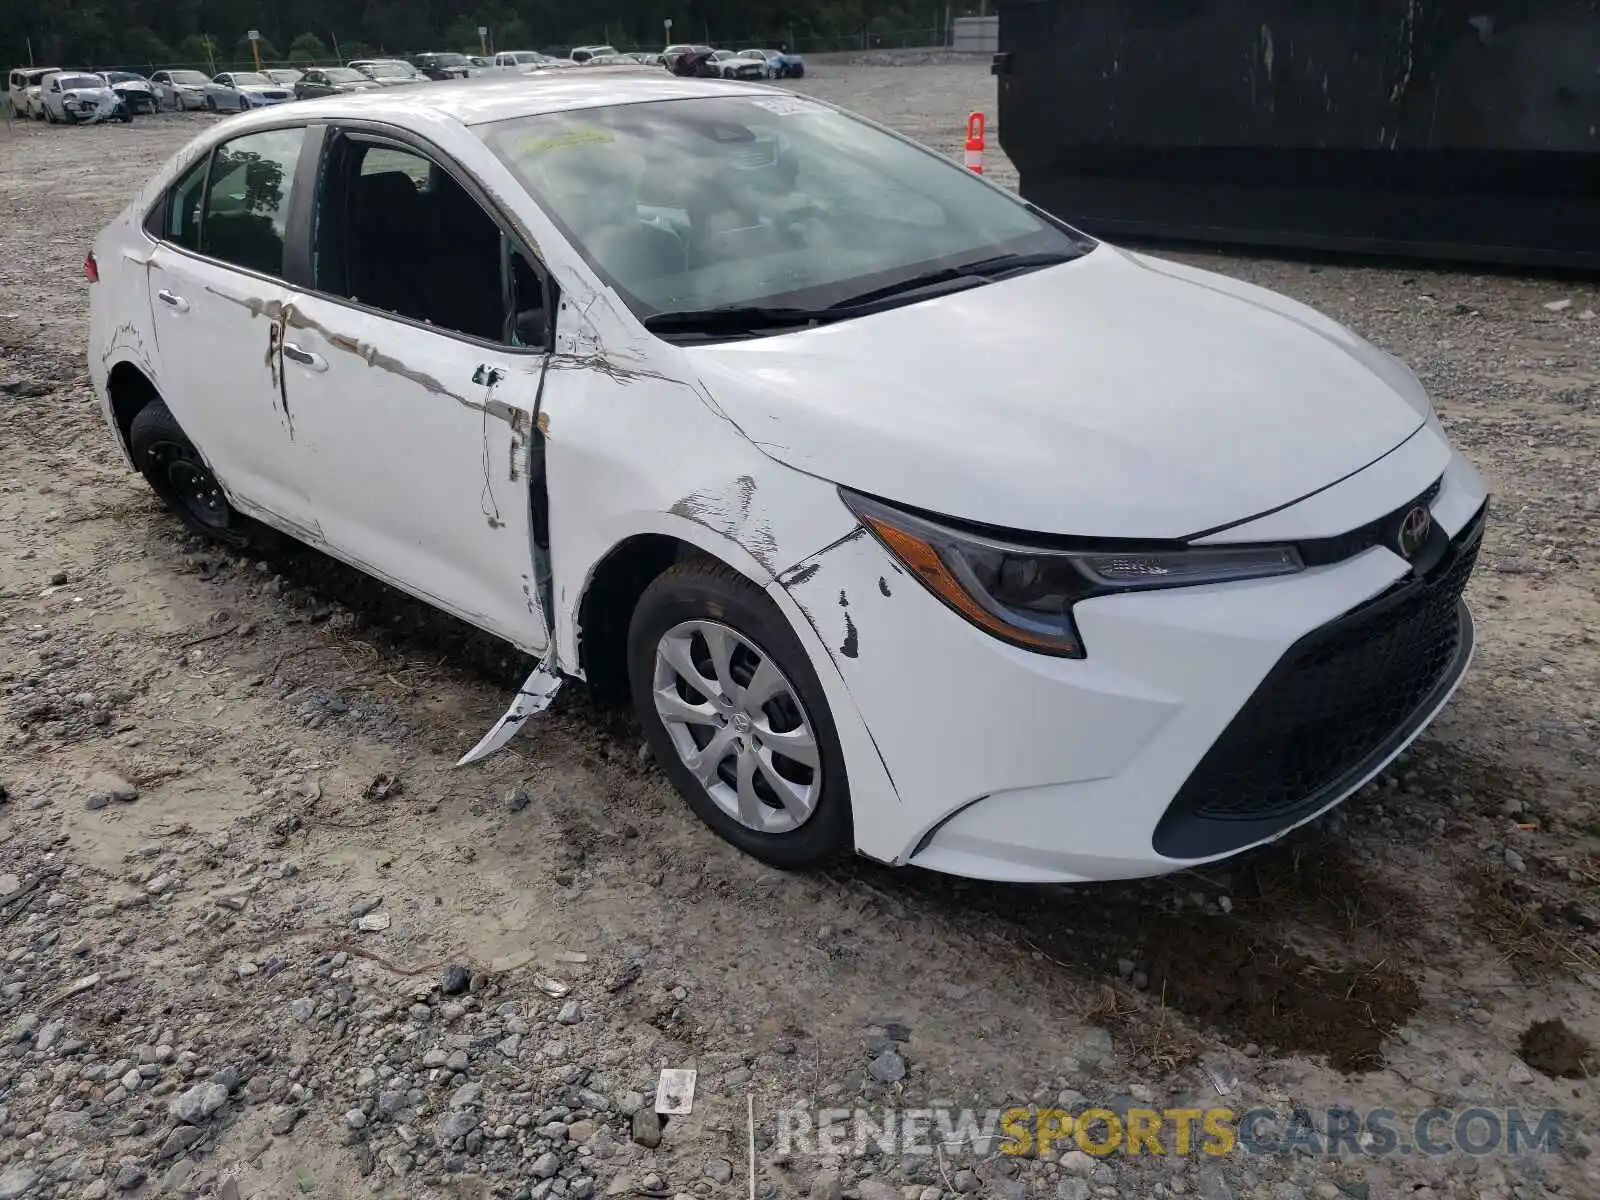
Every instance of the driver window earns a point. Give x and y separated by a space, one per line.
398 233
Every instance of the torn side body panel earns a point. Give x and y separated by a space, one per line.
531 699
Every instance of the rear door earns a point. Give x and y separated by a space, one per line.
413 386
217 291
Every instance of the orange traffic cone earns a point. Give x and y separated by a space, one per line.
975 143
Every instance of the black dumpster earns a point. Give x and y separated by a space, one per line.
1462 129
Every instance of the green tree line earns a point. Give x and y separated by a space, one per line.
99 33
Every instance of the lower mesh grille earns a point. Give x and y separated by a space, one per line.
1335 704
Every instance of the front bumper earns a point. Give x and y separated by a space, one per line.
1203 721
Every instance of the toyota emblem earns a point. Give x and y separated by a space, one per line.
1414 529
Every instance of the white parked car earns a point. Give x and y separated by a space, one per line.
582 54
180 90
80 97
239 91
913 521
527 60
23 86
285 76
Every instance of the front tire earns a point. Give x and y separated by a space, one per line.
173 467
736 716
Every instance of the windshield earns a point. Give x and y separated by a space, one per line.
684 205
191 78
448 60
286 75
241 78
343 75
124 77
82 81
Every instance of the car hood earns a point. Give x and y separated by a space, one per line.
88 93
1117 395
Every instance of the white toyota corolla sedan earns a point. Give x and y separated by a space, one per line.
914 521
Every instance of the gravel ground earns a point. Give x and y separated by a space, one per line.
257 938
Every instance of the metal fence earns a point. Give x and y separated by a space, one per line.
864 40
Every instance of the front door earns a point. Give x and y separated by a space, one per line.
215 292
413 394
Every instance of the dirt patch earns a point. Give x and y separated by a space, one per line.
1537 930
1252 991
1165 966
1555 1050
1315 880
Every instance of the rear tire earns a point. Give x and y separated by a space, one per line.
750 791
173 467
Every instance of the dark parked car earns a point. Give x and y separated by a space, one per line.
692 61
443 65
331 81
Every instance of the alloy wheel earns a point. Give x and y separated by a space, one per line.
738 724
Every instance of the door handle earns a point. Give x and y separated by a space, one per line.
177 302
304 357
487 376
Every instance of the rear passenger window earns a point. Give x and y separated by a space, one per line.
247 199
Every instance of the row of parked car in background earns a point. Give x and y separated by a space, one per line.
67 96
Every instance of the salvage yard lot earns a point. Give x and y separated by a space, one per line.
289 728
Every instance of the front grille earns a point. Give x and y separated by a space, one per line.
1338 703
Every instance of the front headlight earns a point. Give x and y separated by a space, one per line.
1025 594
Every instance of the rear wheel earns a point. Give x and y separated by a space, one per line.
175 471
736 716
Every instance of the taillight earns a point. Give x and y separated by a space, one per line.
91 269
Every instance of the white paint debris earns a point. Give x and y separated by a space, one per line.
375 922
675 1091
1559 305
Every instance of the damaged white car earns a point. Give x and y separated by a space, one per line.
80 98
913 521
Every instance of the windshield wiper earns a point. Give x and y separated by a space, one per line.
752 318
972 274
1005 264
738 318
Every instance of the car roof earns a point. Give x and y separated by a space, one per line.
485 99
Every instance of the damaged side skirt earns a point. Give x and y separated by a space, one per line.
531 699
